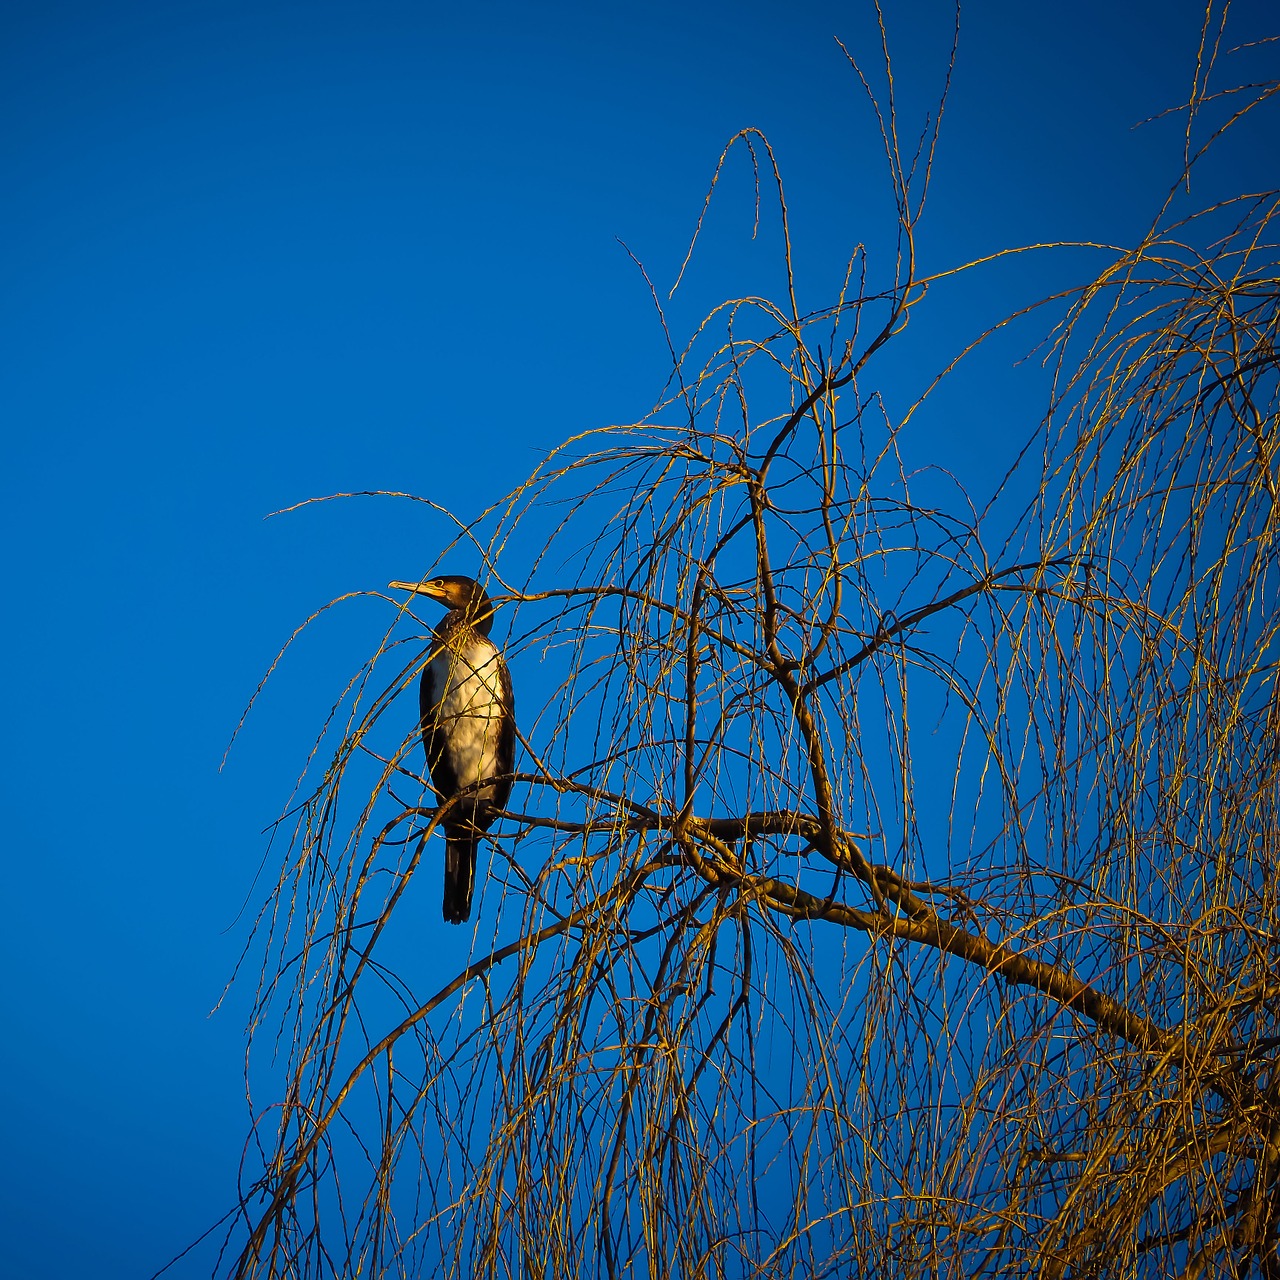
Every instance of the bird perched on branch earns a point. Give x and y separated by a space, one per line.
468 727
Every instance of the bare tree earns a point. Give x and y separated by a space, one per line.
769 992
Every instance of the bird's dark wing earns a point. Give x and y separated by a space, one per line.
433 733
505 757
459 845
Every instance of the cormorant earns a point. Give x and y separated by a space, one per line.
468 726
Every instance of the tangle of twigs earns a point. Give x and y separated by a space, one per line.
769 992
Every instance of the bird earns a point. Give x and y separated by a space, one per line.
468 726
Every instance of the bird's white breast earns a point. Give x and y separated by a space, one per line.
469 707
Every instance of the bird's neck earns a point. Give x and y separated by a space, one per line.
468 619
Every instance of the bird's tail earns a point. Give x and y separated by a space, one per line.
459 875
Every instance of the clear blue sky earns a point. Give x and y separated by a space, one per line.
256 252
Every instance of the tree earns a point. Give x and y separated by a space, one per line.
736 1021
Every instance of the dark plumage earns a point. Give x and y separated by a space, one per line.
468 727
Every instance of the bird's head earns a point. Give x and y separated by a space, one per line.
455 591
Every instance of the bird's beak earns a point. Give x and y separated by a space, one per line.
417 588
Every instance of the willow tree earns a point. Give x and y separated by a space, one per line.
880 895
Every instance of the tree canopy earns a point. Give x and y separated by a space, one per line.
888 886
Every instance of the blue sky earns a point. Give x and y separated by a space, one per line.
254 253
